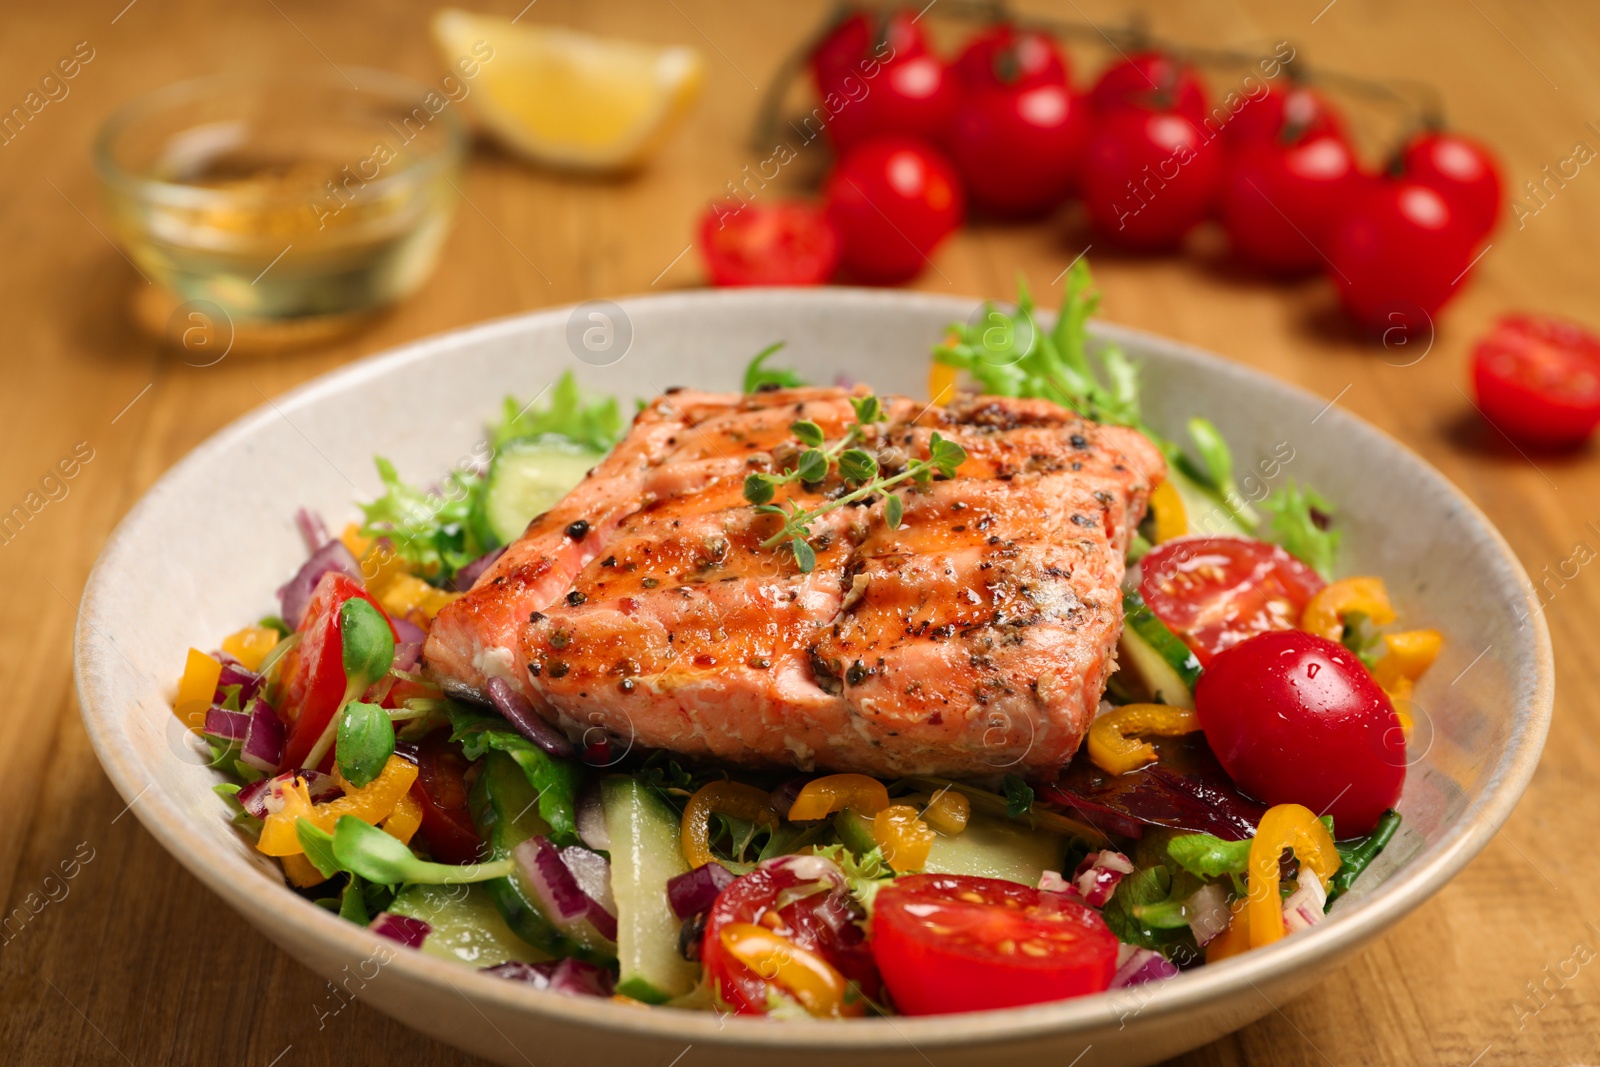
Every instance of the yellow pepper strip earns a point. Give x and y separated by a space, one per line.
1172 519
904 838
358 545
801 973
1408 655
371 803
250 645
942 380
1291 826
822 797
1325 612
948 812
302 872
728 798
404 820
1236 938
1112 737
196 688
406 593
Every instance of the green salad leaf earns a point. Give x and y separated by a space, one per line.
1019 796
1292 522
372 854
1210 857
1156 892
555 780
864 874
593 422
757 374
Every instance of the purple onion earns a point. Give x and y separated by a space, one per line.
407 631
467 576
406 654
557 890
593 873
226 725
785 795
1142 965
253 797
234 673
402 928
1097 876
263 741
1208 913
520 714
571 977
312 529
296 594
591 818
693 892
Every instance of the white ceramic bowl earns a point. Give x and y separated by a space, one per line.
204 550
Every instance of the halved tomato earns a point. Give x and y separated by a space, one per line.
314 669
1538 380
950 943
1214 592
786 243
441 789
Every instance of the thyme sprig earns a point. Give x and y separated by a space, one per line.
858 468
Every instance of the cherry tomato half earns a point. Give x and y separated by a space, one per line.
441 789
823 922
1215 592
1464 172
1297 719
1538 380
1399 255
313 671
1006 57
892 200
952 943
1279 201
1151 81
1020 148
788 243
1150 178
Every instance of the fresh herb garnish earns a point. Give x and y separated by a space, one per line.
369 852
758 375
857 467
364 744
1019 796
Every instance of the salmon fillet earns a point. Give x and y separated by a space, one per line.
975 639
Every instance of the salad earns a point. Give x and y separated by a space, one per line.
1215 725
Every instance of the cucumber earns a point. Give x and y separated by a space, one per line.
988 847
1153 663
1207 515
526 479
505 810
645 855
466 925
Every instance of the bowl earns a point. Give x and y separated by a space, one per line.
285 199
208 544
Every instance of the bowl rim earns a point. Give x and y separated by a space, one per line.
270 905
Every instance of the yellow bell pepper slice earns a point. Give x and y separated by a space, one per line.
1325 612
1406 658
948 812
1172 518
358 545
804 975
1236 937
729 798
823 796
1113 744
301 872
250 645
942 379
371 803
196 688
1291 826
904 838
406 593
404 821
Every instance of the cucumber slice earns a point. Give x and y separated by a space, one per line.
506 813
645 855
1159 666
466 925
987 848
1207 515
528 478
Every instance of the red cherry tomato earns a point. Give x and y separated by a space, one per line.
911 95
313 671
1297 719
823 922
1464 172
1279 202
1019 149
1215 592
1006 57
892 200
1152 81
859 42
441 789
1282 116
1150 178
953 943
1538 380
786 243
1398 255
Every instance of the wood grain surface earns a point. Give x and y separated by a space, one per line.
132 961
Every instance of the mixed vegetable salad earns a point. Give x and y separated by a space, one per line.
1240 776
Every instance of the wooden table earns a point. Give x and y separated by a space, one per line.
133 961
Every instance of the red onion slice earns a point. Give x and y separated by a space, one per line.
312 529
1097 876
234 673
226 725
557 890
467 576
295 596
263 741
593 874
254 797
402 928
1208 913
520 714
693 892
571 977
1141 965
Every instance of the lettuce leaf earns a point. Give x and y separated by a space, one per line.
595 423
1292 521
556 780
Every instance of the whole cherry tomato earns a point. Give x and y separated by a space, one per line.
1464 172
1004 56
784 243
1215 592
1151 81
1398 255
862 41
1297 719
952 943
1283 116
1280 201
892 200
1020 149
1538 380
1150 177
876 77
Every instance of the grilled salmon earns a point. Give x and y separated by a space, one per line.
974 639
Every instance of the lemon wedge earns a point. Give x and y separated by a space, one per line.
570 99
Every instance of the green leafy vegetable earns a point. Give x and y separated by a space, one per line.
368 643
353 901
364 744
272 622
1357 855
757 374
1210 857
1292 522
374 855
1019 796
242 819
318 846
864 874
595 423
1152 890
555 780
